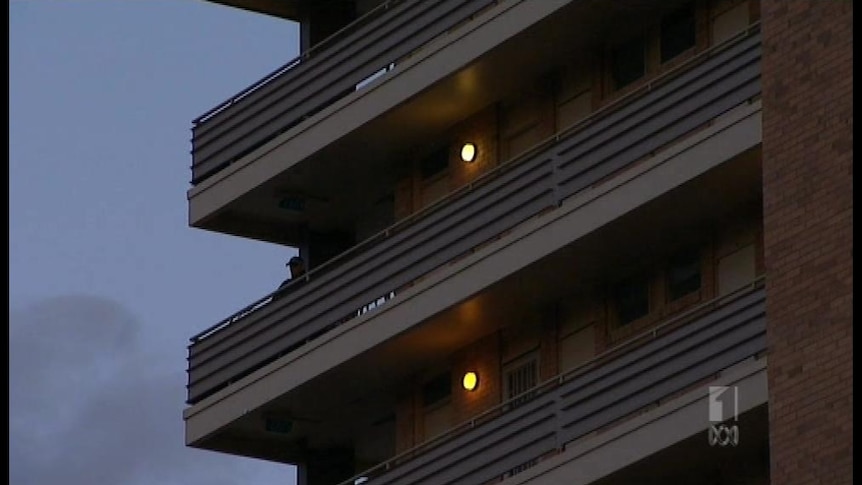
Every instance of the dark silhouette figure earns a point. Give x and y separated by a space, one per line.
297 269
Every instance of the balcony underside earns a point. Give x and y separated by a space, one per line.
286 9
693 460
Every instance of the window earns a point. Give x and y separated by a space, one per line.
437 389
437 410
631 299
683 274
520 376
435 184
677 32
434 164
628 62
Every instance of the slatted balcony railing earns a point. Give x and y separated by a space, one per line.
673 357
678 103
316 79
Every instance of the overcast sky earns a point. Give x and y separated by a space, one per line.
107 281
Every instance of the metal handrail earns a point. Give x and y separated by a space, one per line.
553 382
480 180
325 43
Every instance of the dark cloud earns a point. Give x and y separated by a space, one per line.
89 406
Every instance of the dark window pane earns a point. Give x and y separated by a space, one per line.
437 389
683 276
627 62
631 299
677 32
435 163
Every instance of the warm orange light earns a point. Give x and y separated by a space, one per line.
468 152
471 381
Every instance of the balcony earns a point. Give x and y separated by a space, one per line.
678 356
371 135
319 77
687 99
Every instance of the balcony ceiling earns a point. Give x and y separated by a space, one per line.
693 460
286 9
341 181
366 384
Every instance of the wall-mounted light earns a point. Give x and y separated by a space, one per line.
468 152
470 381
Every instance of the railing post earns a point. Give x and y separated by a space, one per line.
558 418
555 180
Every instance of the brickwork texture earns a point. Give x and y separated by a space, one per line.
808 240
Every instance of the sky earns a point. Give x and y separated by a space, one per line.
107 281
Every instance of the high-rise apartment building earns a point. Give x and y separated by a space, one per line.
547 241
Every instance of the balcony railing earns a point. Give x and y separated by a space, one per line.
317 78
670 107
673 357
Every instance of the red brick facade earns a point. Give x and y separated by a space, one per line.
808 212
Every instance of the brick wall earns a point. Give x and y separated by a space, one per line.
808 242
403 204
481 130
405 420
527 118
549 359
483 358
